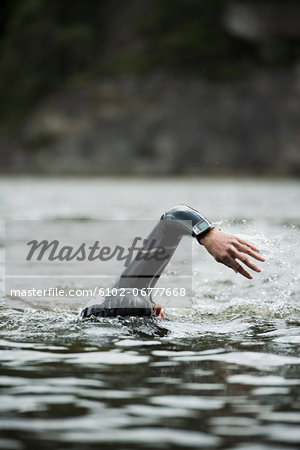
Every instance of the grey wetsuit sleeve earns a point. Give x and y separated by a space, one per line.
159 247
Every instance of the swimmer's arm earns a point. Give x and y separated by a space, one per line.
226 249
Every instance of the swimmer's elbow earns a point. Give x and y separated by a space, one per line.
179 212
187 219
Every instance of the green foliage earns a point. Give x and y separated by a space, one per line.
40 140
187 33
43 44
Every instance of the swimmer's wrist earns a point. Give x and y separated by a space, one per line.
201 228
204 238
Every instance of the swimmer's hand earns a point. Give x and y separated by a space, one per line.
226 249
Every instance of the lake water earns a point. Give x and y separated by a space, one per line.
223 374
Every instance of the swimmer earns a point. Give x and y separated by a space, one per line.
144 272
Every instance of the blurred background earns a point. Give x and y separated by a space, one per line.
150 87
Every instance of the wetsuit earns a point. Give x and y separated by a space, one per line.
148 265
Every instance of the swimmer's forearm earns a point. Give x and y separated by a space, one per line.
167 234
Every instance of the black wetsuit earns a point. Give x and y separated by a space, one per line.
141 273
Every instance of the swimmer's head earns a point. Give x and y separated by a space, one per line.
124 304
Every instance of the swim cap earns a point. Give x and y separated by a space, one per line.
124 305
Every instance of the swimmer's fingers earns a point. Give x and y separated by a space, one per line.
246 249
240 269
234 265
248 262
241 241
226 249
158 311
242 257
